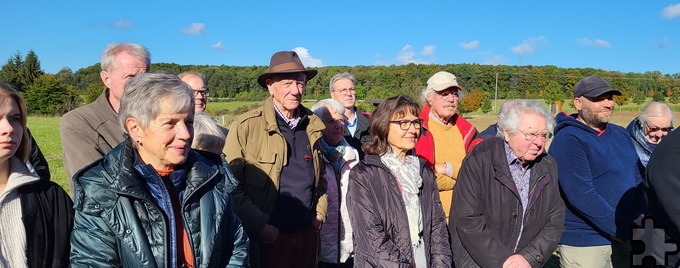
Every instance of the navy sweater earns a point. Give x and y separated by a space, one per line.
599 179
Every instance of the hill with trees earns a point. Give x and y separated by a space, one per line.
482 83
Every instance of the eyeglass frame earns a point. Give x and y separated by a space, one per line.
417 123
533 136
203 91
345 91
657 129
455 92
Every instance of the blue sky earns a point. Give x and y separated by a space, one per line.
626 36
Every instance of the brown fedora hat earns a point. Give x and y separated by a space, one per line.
285 62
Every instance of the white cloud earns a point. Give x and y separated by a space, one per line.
428 50
671 12
529 45
122 24
470 45
406 56
598 42
194 29
307 59
494 60
219 45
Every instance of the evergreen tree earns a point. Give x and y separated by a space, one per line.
11 72
30 69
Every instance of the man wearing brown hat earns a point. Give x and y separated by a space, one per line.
599 178
274 151
448 135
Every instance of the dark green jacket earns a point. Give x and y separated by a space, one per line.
117 223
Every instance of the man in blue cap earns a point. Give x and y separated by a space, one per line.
598 176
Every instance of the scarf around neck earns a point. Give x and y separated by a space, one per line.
408 177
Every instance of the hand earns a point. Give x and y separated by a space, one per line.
516 261
317 221
440 168
269 234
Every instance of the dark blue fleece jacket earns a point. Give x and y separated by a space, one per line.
599 179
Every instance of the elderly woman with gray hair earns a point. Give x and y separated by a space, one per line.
153 201
508 209
336 249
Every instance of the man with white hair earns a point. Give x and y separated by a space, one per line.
448 137
91 131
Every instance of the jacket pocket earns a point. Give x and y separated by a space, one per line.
262 167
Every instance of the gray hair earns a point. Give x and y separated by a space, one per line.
188 73
208 136
507 105
511 118
112 50
145 92
655 109
339 76
323 108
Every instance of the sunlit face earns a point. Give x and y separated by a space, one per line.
125 66
533 126
444 103
401 140
334 123
595 112
11 130
657 127
198 89
166 141
344 92
287 90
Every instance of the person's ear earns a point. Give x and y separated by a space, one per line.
270 84
578 103
506 136
106 78
134 129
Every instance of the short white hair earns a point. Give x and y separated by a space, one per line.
655 109
208 136
511 118
323 108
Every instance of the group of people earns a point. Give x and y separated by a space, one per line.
157 183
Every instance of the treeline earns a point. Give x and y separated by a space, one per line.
482 82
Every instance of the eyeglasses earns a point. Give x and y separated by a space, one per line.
446 93
346 91
202 91
533 136
406 124
662 129
335 122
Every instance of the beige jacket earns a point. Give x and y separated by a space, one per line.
87 134
256 152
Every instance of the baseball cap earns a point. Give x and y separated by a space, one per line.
442 80
593 86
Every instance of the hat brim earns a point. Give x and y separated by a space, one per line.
262 79
601 91
445 86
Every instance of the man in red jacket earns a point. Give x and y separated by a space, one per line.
448 137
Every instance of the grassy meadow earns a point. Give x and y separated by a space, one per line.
46 129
